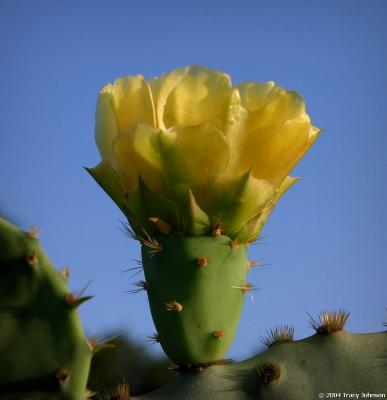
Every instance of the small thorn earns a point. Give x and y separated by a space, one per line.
219 333
217 230
89 394
153 339
80 293
123 392
32 258
174 306
139 266
63 374
96 344
33 232
74 301
128 232
65 272
255 264
135 270
329 322
152 244
141 285
246 288
278 335
118 392
202 261
234 244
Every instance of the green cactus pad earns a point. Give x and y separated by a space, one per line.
339 363
44 352
196 287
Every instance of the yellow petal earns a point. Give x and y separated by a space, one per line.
235 133
194 155
161 87
281 108
132 102
105 125
192 96
137 153
273 151
269 108
254 95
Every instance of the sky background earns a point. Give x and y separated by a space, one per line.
326 240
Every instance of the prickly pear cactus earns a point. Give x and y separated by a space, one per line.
44 352
197 166
330 364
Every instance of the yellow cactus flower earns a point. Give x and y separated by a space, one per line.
192 151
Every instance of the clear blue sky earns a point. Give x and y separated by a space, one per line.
326 241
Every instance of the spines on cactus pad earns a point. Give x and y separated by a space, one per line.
331 361
196 287
44 352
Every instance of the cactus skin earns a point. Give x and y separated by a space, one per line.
335 363
194 285
44 352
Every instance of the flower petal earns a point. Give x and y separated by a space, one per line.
254 95
192 96
137 153
194 155
279 109
273 151
105 125
132 101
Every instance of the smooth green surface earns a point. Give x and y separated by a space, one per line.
210 302
40 332
337 363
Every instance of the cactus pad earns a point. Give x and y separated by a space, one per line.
196 287
340 362
44 352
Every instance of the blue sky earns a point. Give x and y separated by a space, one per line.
326 241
